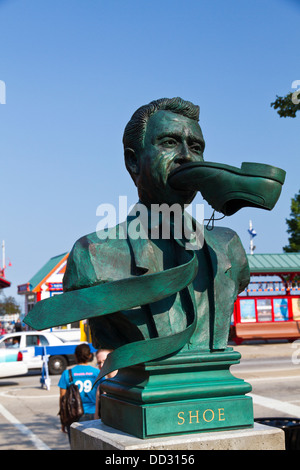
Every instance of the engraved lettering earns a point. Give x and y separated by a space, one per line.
181 417
221 413
194 416
212 415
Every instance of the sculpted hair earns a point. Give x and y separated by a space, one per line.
135 130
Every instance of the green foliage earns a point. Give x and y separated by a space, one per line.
8 305
294 226
286 107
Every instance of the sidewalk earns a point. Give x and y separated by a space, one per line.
259 349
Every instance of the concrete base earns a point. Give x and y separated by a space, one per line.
94 435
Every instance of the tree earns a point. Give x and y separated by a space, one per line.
288 105
294 226
8 305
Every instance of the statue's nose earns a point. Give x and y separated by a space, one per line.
184 155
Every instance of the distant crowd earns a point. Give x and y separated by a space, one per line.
10 327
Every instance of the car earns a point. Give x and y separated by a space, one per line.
26 341
66 334
12 364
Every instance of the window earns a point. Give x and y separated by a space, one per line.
264 309
32 340
281 311
296 308
12 342
30 307
247 309
36 340
43 340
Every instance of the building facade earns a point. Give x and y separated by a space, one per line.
45 283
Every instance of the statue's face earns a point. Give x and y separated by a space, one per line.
170 141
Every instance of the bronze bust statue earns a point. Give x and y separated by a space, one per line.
163 304
162 140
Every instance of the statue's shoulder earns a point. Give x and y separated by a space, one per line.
110 238
96 257
221 235
227 240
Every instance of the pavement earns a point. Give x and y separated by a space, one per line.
267 349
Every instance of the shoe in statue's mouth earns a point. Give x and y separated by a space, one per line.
227 188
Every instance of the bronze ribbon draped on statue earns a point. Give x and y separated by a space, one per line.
148 350
104 299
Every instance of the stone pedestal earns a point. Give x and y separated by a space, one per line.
94 435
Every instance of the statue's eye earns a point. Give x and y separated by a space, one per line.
196 148
169 142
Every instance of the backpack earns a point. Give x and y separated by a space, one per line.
71 408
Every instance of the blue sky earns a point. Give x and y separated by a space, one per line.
76 70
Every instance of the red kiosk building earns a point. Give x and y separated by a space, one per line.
270 306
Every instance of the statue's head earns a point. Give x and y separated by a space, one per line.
159 137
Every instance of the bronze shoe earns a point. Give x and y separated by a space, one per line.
227 188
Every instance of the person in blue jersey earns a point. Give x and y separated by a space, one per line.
84 376
101 356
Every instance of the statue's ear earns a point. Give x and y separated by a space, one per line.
131 162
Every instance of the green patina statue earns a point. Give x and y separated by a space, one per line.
155 298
